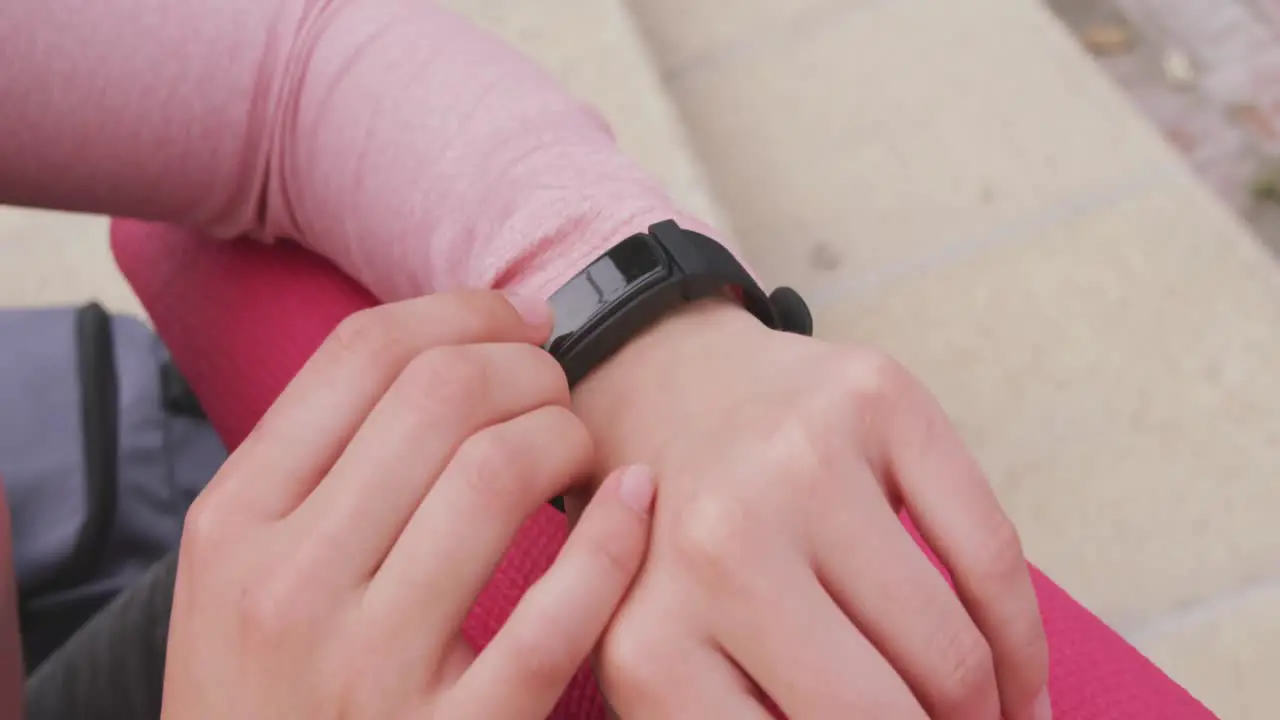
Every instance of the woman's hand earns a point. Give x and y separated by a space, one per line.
778 562
326 571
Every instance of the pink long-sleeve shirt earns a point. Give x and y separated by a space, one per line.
413 150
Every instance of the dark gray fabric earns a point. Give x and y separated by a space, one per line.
41 457
164 461
161 457
113 668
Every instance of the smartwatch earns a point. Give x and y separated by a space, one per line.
645 277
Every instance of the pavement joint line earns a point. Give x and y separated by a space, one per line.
757 42
859 287
1198 612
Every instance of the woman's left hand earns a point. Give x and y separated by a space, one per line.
778 565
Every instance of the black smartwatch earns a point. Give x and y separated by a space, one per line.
645 277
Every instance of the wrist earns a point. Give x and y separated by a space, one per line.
630 402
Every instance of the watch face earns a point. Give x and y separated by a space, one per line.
631 266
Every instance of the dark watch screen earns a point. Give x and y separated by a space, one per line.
631 265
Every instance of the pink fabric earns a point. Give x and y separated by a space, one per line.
391 136
241 319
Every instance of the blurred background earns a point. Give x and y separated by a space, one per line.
1059 213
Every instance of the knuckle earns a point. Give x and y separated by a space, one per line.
569 439
450 376
364 334
1030 660
965 684
532 458
268 611
492 470
543 659
1000 562
804 456
549 374
630 663
480 313
712 536
203 528
873 376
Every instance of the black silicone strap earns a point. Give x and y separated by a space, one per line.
643 279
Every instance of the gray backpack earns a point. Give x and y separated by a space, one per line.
102 450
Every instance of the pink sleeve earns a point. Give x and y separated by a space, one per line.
399 141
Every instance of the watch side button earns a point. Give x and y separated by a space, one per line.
793 313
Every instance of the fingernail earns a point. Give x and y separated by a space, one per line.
534 310
1043 708
636 488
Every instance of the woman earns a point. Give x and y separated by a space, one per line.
420 156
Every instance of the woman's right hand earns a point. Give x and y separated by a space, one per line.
327 569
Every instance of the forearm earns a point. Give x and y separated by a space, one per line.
411 149
408 147
425 155
146 108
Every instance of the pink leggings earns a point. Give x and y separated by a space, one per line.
241 318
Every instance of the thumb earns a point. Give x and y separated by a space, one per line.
551 633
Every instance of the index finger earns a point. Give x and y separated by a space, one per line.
953 505
306 429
